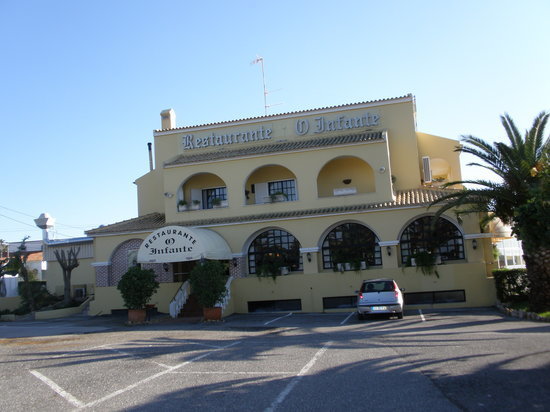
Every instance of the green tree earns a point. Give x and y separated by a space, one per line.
520 198
17 264
3 256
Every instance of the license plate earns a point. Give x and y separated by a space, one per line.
379 308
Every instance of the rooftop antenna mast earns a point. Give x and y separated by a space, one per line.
260 60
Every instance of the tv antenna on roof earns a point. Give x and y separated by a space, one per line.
260 60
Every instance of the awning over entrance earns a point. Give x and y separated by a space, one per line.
180 244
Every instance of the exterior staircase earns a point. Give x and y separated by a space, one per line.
191 309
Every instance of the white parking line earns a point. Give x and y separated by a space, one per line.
57 389
273 320
232 373
349 316
138 357
297 379
70 398
421 315
150 378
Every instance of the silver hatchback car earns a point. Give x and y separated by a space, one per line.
379 296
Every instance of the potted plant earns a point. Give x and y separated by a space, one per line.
137 286
196 204
217 202
182 205
208 281
278 197
425 261
272 263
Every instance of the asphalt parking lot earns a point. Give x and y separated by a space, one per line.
463 360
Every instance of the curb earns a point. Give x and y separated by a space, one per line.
520 314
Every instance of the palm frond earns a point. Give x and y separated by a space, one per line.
535 136
512 131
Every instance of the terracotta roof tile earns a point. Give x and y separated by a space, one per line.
271 116
414 197
146 222
187 158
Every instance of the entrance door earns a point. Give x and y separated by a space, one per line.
182 270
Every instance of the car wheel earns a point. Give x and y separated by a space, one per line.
400 315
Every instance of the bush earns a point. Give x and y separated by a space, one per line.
41 296
137 286
208 282
512 285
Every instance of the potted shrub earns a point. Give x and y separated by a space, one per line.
196 204
208 281
217 202
182 205
278 197
137 286
426 262
272 263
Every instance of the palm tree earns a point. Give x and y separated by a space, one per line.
521 198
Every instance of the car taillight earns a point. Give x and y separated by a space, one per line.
360 296
396 293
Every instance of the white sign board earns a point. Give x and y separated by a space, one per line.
180 244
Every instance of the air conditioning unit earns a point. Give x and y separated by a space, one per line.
426 169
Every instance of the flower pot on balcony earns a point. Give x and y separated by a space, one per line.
278 197
222 203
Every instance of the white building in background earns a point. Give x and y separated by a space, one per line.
509 248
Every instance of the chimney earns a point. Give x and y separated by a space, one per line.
168 119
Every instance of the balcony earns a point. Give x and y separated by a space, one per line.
270 184
202 191
345 176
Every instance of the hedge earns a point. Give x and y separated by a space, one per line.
512 285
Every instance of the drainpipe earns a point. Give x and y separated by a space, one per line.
149 145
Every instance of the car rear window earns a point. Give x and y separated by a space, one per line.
380 286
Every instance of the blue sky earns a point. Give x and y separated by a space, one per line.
83 82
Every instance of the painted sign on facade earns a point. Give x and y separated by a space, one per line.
302 127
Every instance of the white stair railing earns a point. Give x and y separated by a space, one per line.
223 304
179 300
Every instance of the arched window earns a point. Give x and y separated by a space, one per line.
351 243
272 250
443 239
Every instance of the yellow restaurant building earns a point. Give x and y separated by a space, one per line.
325 198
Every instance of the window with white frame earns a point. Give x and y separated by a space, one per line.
510 253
